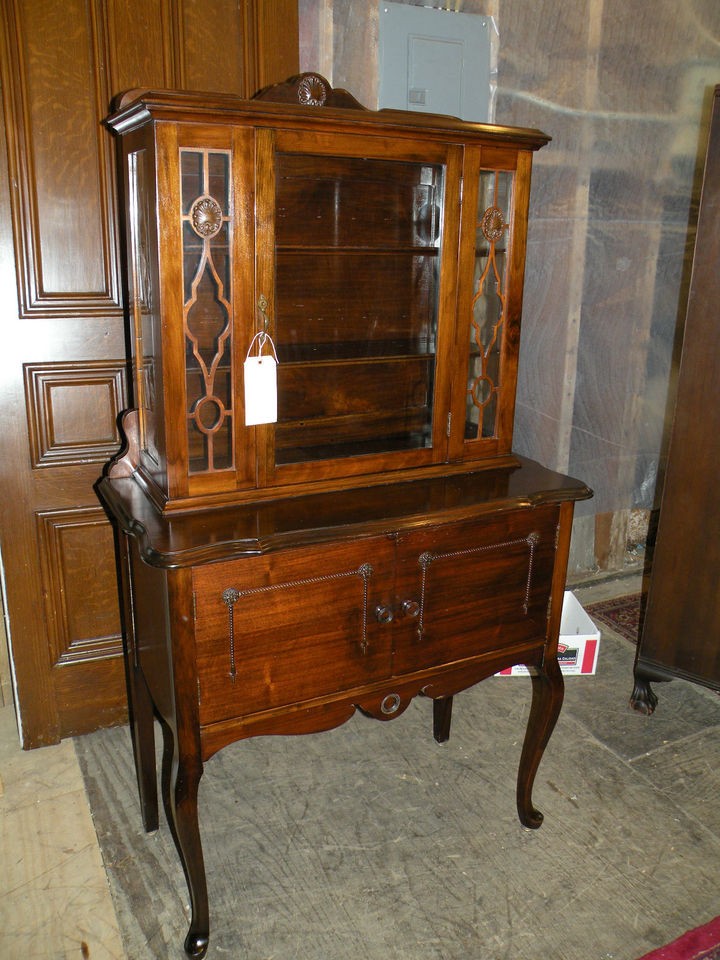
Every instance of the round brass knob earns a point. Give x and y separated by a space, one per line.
383 614
410 608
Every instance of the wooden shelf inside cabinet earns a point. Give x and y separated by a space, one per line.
359 250
361 550
366 351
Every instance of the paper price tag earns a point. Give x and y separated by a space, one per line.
260 390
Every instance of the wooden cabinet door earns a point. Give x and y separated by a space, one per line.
291 627
466 589
496 194
62 363
357 260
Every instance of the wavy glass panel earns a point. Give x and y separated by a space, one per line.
487 322
358 244
207 310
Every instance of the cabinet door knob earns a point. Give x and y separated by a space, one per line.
384 614
410 608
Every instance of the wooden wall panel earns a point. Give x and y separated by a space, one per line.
73 411
209 33
271 46
80 585
131 62
63 226
61 317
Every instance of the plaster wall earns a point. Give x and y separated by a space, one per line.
623 87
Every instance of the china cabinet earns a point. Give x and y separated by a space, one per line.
681 628
318 507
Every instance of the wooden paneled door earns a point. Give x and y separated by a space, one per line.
62 338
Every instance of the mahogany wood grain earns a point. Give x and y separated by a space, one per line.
304 626
484 584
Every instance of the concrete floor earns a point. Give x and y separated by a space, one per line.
628 858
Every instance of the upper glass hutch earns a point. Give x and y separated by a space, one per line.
378 256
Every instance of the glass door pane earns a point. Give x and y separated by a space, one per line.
357 274
489 303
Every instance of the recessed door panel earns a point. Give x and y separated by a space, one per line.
473 588
291 627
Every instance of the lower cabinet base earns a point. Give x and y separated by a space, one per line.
228 642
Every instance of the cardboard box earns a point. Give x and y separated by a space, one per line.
578 646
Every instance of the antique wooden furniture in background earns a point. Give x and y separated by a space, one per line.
681 629
63 357
379 540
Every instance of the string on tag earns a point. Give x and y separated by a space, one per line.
260 382
261 339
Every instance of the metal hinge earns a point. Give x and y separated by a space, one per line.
194 603
462 184
449 425
198 686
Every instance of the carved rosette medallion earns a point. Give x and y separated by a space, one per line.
312 91
493 224
206 217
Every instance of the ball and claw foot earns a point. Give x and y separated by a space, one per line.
531 818
643 698
196 944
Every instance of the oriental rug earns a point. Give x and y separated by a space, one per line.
621 614
702 943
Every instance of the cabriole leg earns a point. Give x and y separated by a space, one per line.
181 780
547 697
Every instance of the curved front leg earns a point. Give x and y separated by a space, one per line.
548 690
181 780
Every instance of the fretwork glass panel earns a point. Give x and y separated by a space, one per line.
487 323
207 310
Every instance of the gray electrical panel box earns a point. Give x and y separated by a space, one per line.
435 61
